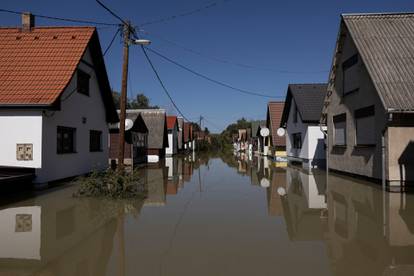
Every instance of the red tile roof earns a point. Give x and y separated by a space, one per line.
36 66
171 120
274 116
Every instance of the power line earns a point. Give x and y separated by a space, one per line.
191 12
62 19
210 79
112 41
226 61
162 84
112 12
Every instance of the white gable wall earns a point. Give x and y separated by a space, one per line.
312 139
20 127
76 107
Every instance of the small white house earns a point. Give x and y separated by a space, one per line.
55 101
305 141
172 126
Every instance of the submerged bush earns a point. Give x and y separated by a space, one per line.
112 184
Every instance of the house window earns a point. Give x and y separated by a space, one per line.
297 140
66 139
365 126
350 75
95 140
83 82
339 122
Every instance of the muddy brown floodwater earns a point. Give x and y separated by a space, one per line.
214 216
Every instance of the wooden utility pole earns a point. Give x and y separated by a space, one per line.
123 102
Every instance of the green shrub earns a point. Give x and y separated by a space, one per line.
111 184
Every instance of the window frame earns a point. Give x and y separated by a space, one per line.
93 147
80 82
60 145
365 112
339 118
347 64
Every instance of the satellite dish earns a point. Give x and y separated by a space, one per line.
128 124
264 132
281 132
264 183
281 191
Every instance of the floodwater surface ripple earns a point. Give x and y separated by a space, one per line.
222 215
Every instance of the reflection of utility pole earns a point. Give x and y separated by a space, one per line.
199 178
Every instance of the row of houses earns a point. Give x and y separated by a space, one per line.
361 122
150 136
57 115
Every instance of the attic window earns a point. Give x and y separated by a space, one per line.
350 75
83 82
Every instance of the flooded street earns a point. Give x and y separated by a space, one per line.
215 216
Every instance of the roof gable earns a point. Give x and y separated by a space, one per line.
155 121
171 122
309 100
385 43
274 116
36 66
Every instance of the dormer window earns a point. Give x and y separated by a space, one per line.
83 82
350 75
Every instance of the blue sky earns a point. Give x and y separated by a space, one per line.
293 36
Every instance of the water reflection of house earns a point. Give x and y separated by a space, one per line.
274 200
304 205
370 231
157 184
173 176
57 235
264 171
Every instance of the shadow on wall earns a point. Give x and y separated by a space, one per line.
406 164
319 156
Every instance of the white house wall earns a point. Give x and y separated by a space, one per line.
76 107
20 127
312 139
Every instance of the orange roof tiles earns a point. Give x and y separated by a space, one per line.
274 114
36 66
171 121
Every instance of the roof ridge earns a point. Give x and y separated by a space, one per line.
377 14
50 27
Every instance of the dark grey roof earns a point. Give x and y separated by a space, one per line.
309 100
255 127
155 121
385 43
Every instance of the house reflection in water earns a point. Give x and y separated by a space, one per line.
157 180
304 204
371 232
55 234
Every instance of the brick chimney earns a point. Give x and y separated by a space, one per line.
28 21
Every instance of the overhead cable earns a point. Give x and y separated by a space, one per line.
252 93
191 12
